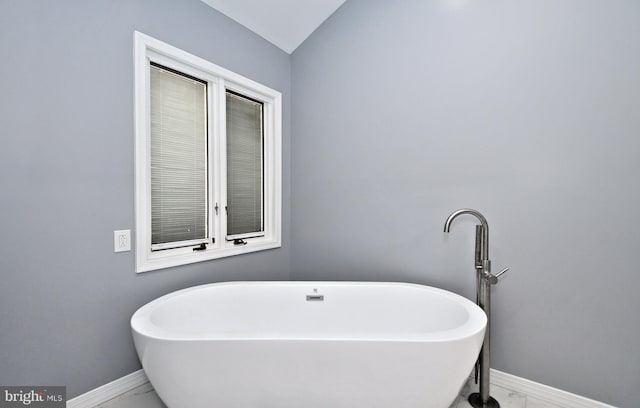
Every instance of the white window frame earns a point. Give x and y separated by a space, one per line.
219 80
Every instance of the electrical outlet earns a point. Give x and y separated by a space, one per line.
121 240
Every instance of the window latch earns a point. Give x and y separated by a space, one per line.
239 242
201 247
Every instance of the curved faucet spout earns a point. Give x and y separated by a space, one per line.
483 221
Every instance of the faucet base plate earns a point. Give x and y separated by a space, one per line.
476 401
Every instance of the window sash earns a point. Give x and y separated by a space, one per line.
245 166
178 159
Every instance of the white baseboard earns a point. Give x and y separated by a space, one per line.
523 386
543 392
109 391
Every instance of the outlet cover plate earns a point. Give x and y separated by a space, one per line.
121 240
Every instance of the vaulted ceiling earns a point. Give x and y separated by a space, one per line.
285 23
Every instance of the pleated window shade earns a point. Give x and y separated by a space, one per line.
178 159
244 167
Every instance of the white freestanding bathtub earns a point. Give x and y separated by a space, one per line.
308 345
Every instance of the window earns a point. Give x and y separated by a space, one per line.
208 159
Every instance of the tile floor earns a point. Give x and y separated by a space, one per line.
145 397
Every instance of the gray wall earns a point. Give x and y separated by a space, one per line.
66 174
527 111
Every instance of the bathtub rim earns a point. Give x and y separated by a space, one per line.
141 324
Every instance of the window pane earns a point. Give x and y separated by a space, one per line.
178 157
244 165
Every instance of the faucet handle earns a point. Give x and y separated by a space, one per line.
493 279
502 272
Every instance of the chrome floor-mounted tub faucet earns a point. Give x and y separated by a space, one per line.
484 280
